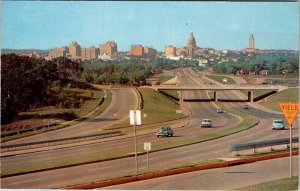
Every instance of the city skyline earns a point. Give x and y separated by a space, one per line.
45 25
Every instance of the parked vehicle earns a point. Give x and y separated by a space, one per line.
206 123
278 124
164 132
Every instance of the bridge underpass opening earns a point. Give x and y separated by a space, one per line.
218 95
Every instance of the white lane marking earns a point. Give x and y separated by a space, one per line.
216 145
94 169
187 151
26 181
215 152
181 159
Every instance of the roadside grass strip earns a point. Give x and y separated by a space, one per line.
248 121
172 93
291 94
156 108
97 111
256 93
156 173
284 184
220 79
163 78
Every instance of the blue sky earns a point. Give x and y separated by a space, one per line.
220 25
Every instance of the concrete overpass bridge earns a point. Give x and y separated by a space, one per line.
217 88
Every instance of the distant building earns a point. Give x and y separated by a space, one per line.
251 42
58 52
74 50
170 51
109 50
181 52
91 53
36 54
191 44
136 50
202 62
150 52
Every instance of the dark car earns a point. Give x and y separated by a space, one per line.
164 132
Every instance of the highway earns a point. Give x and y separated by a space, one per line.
93 125
217 148
228 178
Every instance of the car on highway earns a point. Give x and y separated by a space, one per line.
220 110
206 123
164 131
278 124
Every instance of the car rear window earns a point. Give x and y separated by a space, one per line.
279 121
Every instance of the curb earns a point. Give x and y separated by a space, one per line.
157 174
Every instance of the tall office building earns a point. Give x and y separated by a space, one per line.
170 51
136 50
251 42
109 50
74 50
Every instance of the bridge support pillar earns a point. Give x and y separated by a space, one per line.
250 96
215 96
181 97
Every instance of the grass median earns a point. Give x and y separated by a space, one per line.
156 108
278 185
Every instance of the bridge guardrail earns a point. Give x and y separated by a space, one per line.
267 143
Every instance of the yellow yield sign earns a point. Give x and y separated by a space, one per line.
289 111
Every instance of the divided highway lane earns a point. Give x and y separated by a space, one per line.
213 149
94 125
86 173
200 111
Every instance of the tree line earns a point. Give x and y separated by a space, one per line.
29 82
26 82
275 63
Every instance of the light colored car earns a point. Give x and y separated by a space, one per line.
220 110
278 124
206 123
164 132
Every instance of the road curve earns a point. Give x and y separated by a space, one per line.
123 100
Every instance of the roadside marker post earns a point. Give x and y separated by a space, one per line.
147 147
135 119
290 111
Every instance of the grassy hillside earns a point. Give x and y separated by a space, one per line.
287 95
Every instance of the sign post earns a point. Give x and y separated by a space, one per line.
290 111
135 119
147 147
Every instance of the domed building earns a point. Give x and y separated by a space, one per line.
191 41
191 45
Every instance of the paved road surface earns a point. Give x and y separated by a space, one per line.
228 178
94 125
169 158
